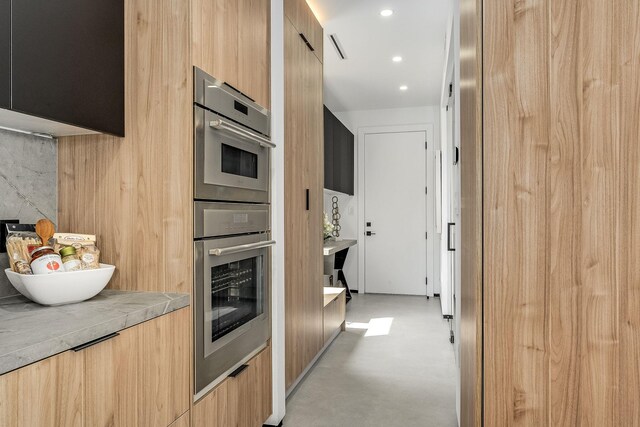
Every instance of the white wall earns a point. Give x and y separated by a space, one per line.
354 121
277 212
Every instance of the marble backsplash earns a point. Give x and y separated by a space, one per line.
28 184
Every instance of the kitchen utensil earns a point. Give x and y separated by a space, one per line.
45 230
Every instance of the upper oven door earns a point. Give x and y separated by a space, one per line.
231 161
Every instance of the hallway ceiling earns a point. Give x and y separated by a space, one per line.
368 79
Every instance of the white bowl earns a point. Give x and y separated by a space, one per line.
62 288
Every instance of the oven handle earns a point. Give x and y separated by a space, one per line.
222 125
241 248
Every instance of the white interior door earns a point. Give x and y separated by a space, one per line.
395 211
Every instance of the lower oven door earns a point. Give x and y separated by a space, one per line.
232 313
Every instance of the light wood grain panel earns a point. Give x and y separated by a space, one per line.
111 387
212 409
46 393
564 207
583 87
183 421
8 396
264 406
471 214
304 168
334 316
314 33
516 111
314 153
164 378
254 51
135 192
249 393
242 397
177 176
215 38
296 224
628 24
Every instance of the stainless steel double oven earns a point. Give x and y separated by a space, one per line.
232 238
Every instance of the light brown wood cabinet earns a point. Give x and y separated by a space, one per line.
334 315
231 41
243 400
304 179
307 25
123 381
46 393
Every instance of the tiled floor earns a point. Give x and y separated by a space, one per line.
394 366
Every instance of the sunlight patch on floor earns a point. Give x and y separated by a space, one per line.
375 328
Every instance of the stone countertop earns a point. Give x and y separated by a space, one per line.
333 246
30 332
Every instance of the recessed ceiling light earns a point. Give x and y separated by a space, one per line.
386 12
404 87
397 59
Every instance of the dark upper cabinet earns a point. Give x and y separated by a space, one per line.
5 53
67 62
338 155
328 149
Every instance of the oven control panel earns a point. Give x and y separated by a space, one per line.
224 219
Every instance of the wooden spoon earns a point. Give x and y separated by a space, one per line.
45 230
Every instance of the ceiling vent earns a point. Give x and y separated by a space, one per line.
337 45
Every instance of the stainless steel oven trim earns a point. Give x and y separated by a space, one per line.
212 261
210 183
215 219
209 369
240 248
228 126
216 95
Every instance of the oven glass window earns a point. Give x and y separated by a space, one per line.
239 162
236 295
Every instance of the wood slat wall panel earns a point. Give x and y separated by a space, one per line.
628 24
471 218
561 281
135 192
254 53
215 38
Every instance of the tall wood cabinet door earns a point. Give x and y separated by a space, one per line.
215 38
163 360
46 393
294 10
111 390
212 410
296 217
314 151
254 51
313 32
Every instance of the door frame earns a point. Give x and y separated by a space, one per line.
428 129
